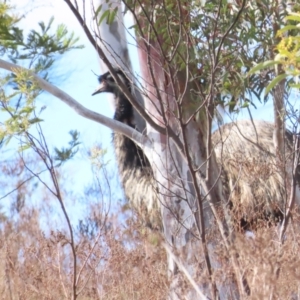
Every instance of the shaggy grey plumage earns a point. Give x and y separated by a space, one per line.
252 175
134 168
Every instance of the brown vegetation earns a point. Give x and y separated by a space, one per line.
113 259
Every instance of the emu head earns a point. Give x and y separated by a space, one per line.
108 85
122 107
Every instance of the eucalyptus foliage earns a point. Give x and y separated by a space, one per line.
38 51
287 59
219 41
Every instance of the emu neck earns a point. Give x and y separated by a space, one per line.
124 110
130 155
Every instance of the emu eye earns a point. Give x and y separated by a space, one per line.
100 79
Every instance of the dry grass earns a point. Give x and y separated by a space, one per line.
114 258
114 264
270 270
120 263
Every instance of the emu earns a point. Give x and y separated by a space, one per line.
251 178
134 168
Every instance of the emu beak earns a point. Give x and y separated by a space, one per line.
101 88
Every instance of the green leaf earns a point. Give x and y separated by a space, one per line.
111 17
295 86
135 27
65 154
293 17
26 110
274 82
245 104
104 15
35 120
97 12
8 140
263 65
24 147
289 27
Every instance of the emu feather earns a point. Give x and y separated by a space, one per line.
253 176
